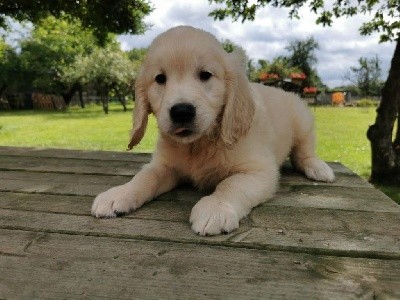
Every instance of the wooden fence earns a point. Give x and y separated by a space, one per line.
47 101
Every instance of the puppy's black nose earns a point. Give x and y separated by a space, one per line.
182 113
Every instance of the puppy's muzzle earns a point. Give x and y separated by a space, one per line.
182 116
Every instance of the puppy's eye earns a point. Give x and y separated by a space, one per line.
161 78
205 75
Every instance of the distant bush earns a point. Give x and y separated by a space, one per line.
367 103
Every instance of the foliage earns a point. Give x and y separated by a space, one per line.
365 102
302 56
9 66
353 89
137 54
102 17
385 14
280 65
367 76
60 57
53 45
106 69
310 90
300 60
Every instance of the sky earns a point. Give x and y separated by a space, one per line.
267 36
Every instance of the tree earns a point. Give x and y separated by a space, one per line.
108 70
103 17
137 54
9 66
367 76
385 17
300 60
280 65
53 45
302 55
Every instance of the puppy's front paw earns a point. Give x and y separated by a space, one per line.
116 201
210 216
318 170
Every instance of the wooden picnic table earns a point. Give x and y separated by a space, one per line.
311 241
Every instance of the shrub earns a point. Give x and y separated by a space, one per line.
367 103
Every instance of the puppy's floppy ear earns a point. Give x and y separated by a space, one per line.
239 105
140 112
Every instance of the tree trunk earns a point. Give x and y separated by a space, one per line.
69 94
104 99
80 91
385 151
3 88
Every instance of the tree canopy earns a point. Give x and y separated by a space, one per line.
384 14
62 57
302 56
9 66
53 45
102 17
367 76
107 70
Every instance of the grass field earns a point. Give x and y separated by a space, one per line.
341 132
75 128
341 136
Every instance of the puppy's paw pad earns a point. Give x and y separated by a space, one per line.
210 217
115 202
318 170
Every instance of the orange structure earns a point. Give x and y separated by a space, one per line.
338 98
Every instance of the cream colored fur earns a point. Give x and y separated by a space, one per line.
242 133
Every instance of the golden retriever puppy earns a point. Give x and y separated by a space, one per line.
216 130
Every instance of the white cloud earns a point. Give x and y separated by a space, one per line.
340 45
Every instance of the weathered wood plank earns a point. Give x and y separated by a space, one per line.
363 198
277 234
82 184
290 177
50 245
350 198
69 165
102 155
88 167
68 266
75 154
69 184
178 210
60 160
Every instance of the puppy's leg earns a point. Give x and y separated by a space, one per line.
232 200
305 160
152 181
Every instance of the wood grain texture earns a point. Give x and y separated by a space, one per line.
60 265
311 241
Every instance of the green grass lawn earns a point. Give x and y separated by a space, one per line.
341 133
76 128
341 136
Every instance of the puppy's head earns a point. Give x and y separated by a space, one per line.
193 87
